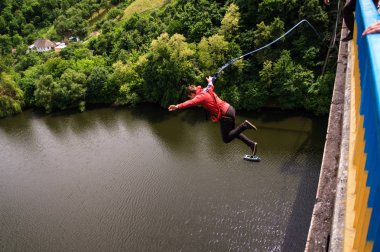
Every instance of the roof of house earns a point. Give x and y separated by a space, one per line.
42 43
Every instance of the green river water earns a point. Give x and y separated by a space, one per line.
144 179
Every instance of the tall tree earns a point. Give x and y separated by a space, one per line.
5 44
69 91
11 96
230 23
170 63
97 85
44 92
214 52
287 81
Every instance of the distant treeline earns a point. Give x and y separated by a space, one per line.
151 57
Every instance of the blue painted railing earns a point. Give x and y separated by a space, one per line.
369 68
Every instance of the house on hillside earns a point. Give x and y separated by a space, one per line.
42 45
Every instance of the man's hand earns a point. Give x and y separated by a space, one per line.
172 107
209 79
327 2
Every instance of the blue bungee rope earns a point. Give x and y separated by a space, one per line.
215 76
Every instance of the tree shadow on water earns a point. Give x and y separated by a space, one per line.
61 123
155 114
268 115
149 112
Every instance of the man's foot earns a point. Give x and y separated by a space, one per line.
249 125
254 148
348 37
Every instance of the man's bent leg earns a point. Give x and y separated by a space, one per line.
239 129
251 144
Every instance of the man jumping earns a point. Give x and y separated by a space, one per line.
220 111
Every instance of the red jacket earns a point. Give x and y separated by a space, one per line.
206 100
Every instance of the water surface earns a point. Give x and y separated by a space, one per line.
147 180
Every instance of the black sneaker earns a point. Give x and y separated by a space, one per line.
254 148
348 37
250 125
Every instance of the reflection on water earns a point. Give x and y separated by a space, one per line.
148 180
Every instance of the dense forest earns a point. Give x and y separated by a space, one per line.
152 55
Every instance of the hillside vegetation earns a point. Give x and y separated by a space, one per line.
140 6
131 52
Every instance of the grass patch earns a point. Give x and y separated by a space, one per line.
140 6
97 15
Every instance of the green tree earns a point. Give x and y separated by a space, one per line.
254 95
69 91
28 82
7 13
194 18
265 34
98 87
214 52
11 96
103 44
318 95
56 67
87 65
75 51
170 61
17 40
73 25
312 10
63 26
44 92
128 78
19 18
287 81
248 10
5 44
27 60
28 86
66 92
230 23
283 9
114 13
28 29
3 26
108 26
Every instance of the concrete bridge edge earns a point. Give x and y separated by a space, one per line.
337 229
326 227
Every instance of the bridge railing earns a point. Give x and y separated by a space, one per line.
362 221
